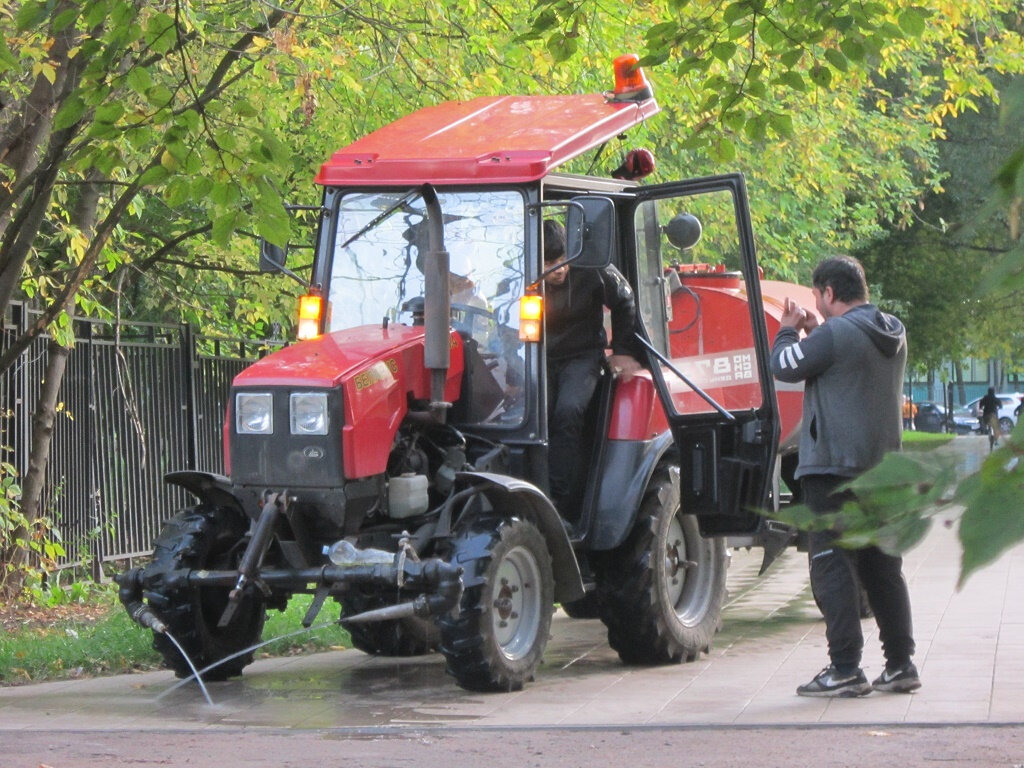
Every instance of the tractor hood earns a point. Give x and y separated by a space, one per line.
358 359
378 373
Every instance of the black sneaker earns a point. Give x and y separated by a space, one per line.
900 680
829 682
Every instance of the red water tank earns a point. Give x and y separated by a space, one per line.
711 341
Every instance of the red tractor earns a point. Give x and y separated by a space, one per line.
396 460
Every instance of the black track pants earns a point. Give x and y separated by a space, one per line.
571 384
834 573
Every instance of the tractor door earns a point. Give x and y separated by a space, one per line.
700 302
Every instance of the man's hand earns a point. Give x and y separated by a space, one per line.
624 366
795 316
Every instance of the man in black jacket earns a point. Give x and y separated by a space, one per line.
575 299
852 367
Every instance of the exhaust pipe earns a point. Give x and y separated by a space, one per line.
437 312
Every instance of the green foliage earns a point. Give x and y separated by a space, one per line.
898 501
38 537
113 644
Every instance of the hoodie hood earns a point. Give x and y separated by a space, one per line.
886 331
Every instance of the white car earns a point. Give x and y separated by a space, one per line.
1008 404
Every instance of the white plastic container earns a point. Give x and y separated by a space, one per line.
407 496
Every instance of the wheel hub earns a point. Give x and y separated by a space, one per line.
505 601
516 603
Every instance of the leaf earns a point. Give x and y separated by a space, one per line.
912 21
244 109
139 80
159 95
769 32
791 57
155 175
276 227
756 128
562 47
109 113
70 112
736 11
724 150
159 33
852 49
782 124
837 59
663 32
793 80
30 15
45 69
7 59
224 227
992 521
65 19
821 76
723 51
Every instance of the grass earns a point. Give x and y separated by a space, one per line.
922 441
104 641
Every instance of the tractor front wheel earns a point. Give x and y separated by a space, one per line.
500 634
395 638
210 538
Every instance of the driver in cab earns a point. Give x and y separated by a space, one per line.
575 299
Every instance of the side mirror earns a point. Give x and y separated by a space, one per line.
272 257
683 231
590 232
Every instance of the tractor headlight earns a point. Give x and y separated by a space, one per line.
308 411
254 413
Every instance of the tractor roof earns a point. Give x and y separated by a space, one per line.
487 140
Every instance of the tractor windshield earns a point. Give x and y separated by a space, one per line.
378 274
374 276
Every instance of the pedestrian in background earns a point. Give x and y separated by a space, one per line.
909 412
989 406
852 366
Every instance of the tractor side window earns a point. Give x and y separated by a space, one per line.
652 291
701 301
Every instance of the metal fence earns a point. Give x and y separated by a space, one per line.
137 400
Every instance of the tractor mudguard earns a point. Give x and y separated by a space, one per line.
511 497
626 469
209 487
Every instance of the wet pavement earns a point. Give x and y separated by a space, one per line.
970 654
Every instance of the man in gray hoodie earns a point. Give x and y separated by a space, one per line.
852 367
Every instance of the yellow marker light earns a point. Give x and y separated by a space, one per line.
531 317
310 307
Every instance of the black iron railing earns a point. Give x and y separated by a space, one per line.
137 400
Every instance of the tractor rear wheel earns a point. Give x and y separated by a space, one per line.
500 634
397 638
210 538
661 592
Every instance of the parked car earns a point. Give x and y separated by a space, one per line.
1009 403
932 417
